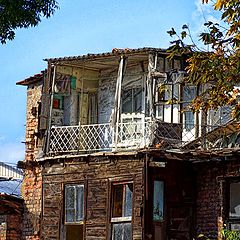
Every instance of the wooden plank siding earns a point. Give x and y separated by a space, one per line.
97 179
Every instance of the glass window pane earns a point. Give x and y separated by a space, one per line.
70 194
127 229
74 203
234 210
188 120
128 200
168 92
122 231
79 203
117 231
158 201
117 200
189 93
137 100
70 215
127 101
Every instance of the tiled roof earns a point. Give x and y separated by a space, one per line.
114 52
32 79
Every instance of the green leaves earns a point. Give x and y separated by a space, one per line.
23 14
230 234
171 32
216 71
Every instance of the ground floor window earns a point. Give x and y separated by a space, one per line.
234 205
158 200
121 214
74 211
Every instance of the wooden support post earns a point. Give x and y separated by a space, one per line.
116 111
50 111
151 64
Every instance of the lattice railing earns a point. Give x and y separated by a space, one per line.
95 137
64 139
131 135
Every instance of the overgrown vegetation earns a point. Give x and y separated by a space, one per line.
217 67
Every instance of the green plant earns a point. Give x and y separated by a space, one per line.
230 234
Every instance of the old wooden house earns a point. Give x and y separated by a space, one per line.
114 152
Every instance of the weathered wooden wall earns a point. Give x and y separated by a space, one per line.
97 175
133 75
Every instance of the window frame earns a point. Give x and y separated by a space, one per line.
80 222
231 219
163 201
120 220
132 96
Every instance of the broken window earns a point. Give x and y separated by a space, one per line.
158 200
74 211
121 218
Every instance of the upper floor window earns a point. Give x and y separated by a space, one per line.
132 100
189 93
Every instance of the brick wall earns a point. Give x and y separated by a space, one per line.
211 194
3 227
97 178
14 226
10 219
32 184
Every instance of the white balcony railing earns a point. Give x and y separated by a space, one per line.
131 135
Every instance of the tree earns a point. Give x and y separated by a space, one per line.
22 14
217 69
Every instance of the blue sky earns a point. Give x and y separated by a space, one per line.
80 27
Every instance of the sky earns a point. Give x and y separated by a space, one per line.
81 27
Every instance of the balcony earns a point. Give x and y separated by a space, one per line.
141 135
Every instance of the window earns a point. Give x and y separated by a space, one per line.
158 200
132 100
121 218
74 211
189 93
234 201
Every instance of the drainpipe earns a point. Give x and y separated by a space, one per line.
50 111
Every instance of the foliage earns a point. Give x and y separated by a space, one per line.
22 14
230 234
226 235
216 68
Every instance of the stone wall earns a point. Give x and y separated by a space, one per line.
97 178
32 183
211 195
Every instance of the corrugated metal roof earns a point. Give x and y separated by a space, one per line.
114 52
10 187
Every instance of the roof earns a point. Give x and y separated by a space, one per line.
10 187
32 79
113 53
